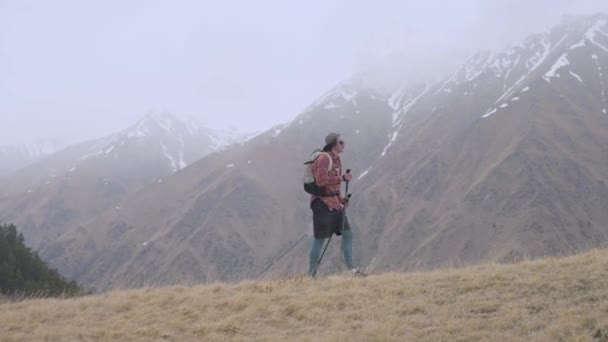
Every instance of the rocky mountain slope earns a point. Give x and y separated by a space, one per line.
505 159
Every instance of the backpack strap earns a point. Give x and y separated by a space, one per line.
317 154
331 161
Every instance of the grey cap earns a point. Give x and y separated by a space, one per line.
331 138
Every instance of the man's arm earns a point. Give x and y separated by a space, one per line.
322 177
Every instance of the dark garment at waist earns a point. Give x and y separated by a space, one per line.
325 221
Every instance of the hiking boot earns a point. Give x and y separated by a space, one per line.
357 273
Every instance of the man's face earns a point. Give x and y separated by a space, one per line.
340 145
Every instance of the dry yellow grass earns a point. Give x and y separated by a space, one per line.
546 300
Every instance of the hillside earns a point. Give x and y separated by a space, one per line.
501 161
545 300
22 273
14 157
68 188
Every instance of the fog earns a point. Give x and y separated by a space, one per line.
75 70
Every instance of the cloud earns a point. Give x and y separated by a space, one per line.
249 64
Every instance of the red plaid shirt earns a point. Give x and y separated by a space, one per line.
328 179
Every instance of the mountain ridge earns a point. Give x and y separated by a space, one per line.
502 160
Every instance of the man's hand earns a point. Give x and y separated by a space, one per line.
345 201
347 177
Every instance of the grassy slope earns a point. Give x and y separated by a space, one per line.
547 300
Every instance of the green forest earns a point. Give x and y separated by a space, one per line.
23 273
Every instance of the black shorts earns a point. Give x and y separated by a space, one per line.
327 222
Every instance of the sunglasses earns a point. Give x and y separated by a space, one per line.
341 142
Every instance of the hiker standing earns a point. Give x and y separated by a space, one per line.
328 209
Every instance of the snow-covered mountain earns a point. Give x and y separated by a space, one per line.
506 158
546 55
14 157
72 185
178 142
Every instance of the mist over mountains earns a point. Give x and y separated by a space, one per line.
503 159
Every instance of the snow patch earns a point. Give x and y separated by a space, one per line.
525 89
168 156
105 145
192 125
602 83
536 61
249 162
489 113
277 131
135 134
576 76
474 66
398 114
165 121
516 98
393 138
348 96
393 100
561 62
363 174
504 105
230 165
577 45
180 153
109 150
595 29
330 105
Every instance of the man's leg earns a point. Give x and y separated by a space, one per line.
347 246
315 253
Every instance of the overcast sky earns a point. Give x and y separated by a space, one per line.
80 69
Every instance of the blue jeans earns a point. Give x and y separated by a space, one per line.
317 245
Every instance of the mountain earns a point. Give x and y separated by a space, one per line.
73 185
230 214
504 159
14 157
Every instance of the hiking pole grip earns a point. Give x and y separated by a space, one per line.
347 171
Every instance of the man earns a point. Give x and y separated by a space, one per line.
328 211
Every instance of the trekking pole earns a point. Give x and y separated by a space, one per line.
328 241
346 199
322 254
346 192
